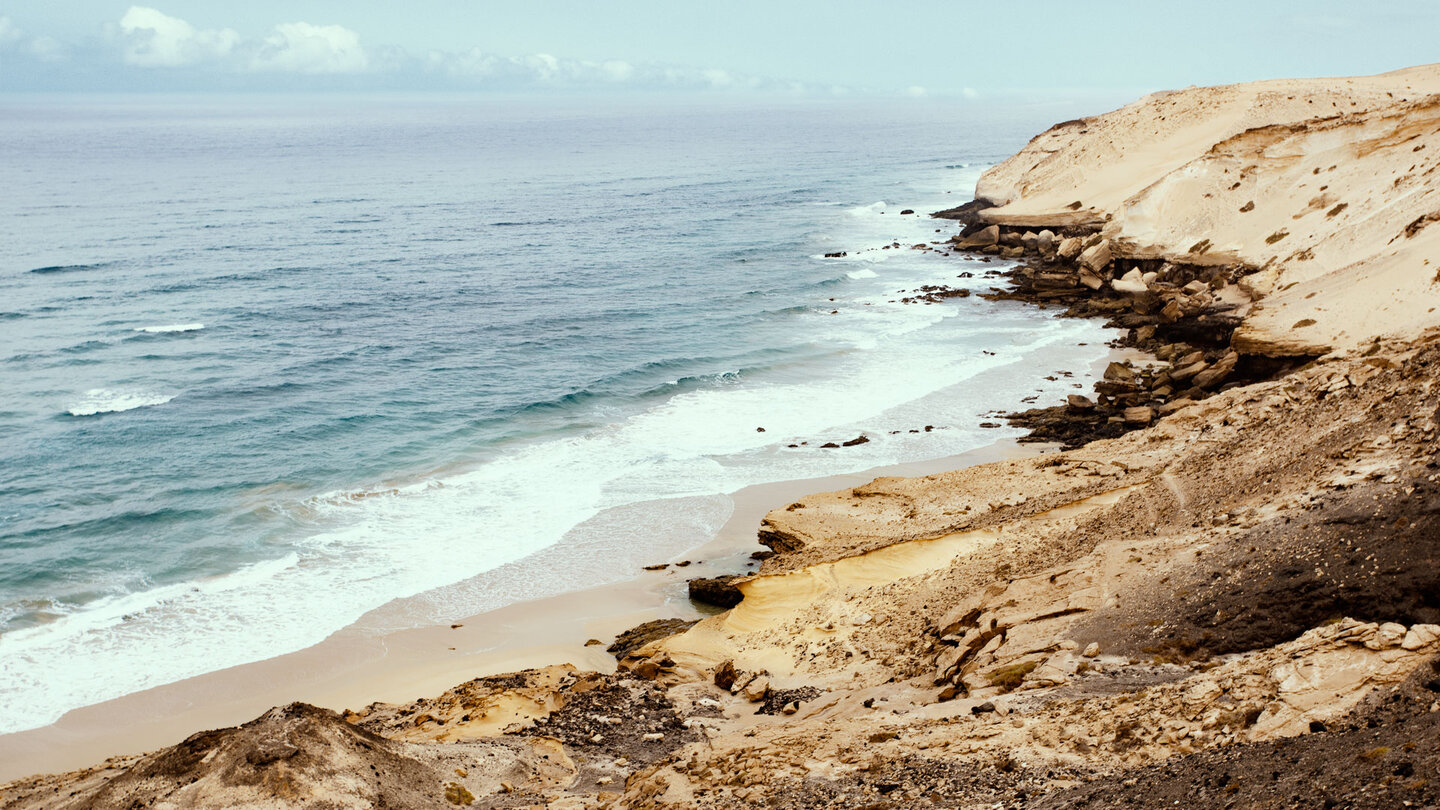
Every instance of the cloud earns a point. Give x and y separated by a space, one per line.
304 48
15 41
482 69
155 50
152 39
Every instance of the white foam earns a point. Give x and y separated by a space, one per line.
865 273
104 400
177 327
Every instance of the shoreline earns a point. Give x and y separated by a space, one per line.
353 668
1219 591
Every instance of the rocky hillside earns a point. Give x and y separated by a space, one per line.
1224 591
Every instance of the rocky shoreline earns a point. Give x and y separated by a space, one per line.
1221 592
1182 316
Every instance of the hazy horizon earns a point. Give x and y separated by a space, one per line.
962 51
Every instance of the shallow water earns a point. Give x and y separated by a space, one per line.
268 365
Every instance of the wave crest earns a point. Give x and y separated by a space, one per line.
104 400
176 327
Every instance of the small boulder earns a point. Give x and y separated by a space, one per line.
720 591
985 237
725 676
1389 634
640 635
1132 283
1175 405
1079 404
1097 257
1184 372
757 689
907 211
1421 635
1119 372
1069 248
1217 373
1139 415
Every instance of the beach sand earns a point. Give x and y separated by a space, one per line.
355 666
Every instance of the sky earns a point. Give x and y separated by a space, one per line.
921 48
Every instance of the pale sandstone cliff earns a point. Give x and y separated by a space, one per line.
1323 186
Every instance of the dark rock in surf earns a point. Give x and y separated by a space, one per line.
720 591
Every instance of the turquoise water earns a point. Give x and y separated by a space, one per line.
269 365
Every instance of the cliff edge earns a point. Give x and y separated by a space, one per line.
1320 189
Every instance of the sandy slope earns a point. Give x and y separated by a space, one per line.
1323 185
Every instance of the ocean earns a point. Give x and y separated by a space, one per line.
269 365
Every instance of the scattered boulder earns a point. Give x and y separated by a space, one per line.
1183 371
1139 415
642 634
720 591
1096 257
985 237
756 690
1119 372
1216 374
726 675
1079 404
1132 282
1175 405
1069 248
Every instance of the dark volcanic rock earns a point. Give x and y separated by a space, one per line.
967 214
642 634
719 591
614 716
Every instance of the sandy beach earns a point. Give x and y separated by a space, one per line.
354 667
